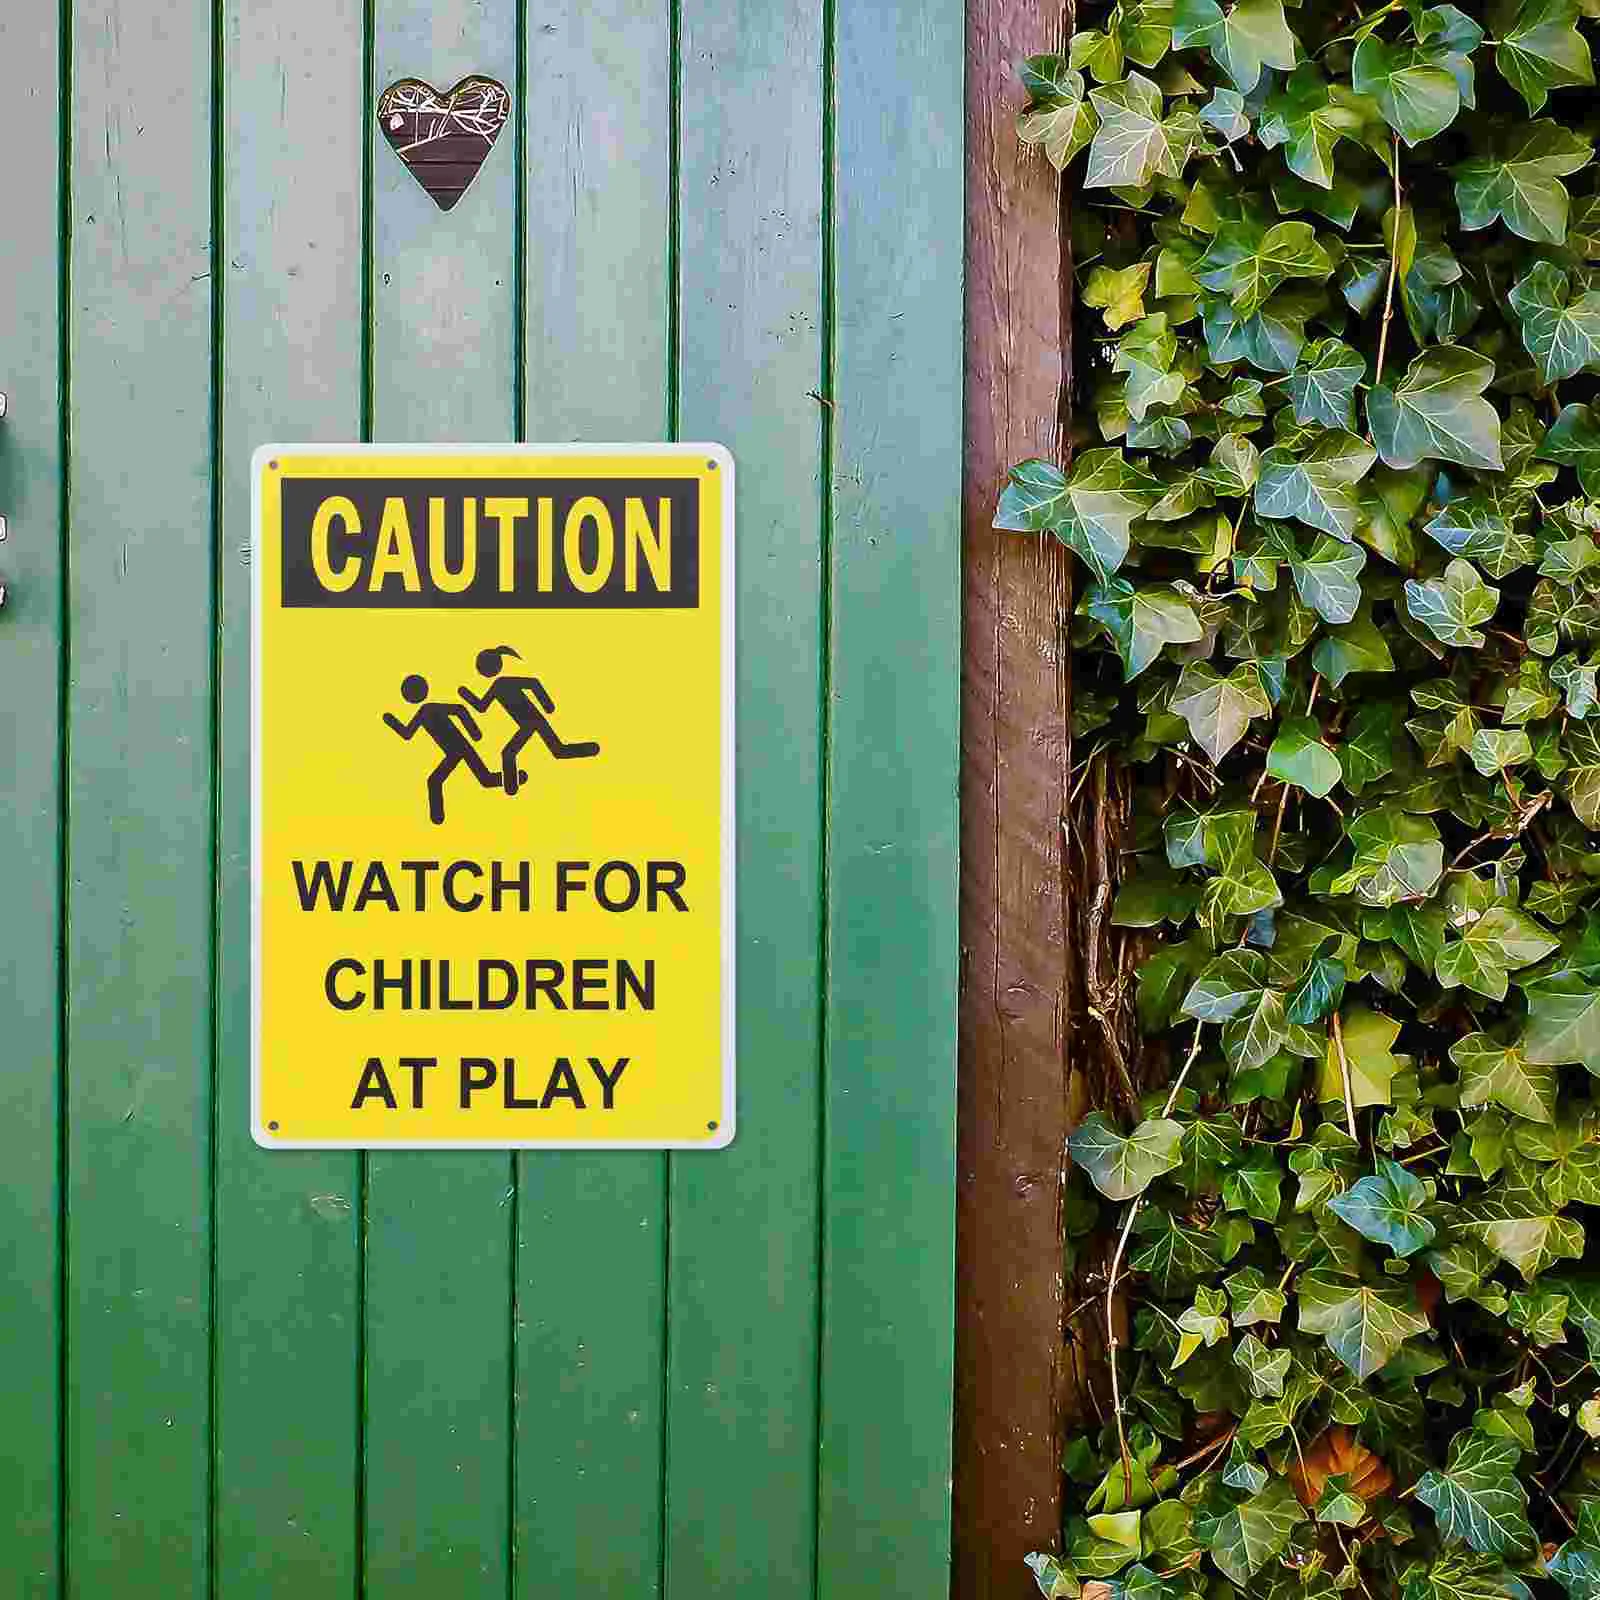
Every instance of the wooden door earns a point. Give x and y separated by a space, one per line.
247 1374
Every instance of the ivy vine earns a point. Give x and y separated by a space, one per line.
1340 616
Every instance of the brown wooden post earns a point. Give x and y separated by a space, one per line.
1015 1386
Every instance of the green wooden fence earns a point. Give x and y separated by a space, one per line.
242 1373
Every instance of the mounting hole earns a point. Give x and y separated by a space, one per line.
711 466
272 466
272 1127
711 1126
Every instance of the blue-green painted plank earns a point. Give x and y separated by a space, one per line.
438 1346
288 1222
590 1269
139 894
741 1426
894 658
30 647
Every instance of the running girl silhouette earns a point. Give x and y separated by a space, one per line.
527 703
439 719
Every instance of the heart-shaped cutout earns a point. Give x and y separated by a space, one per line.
443 138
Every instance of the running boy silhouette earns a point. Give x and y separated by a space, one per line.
439 719
517 697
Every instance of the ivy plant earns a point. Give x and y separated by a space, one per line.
1337 526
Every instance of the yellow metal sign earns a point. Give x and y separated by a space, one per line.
493 796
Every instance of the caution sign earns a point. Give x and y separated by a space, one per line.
493 797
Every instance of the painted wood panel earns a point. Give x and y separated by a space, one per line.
440 1227
741 1423
315 1373
288 1279
31 81
590 1271
139 816
891 784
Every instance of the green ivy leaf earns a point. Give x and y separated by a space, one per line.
1437 411
1203 1323
1521 182
1250 34
1485 531
1458 1575
1318 486
1059 116
1357 647
1225 112
1118 293
1397 857
1123 1165
1418 97
1451 606
1228 985
1178 1254
1540 49
1569 1153
1574 441
1386 1207
1142 621
1255 1301
1218 710
1257 1033
1322 386
1338 1505
1524 1227
1368 1037
1272 338
1298 756
1255 1189
1247 263
1308 116
1563 1023
1560 332
1500 1074
1363 1324
1328 580
1134 143
1253 1532
1264 1370
1478 1498
1499 942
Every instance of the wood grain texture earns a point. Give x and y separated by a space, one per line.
30 866
438 1378
741 1426
288 1222
444 303
1012 1372
893 751
139 802
591 1258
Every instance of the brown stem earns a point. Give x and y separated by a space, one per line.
1344 1075
1394 268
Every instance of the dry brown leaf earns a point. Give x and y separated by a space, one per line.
1334 1453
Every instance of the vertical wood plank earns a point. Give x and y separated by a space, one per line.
30 666
884 1491
590 1269
288 1222
741 1426
139 800
1013 1372
439 1226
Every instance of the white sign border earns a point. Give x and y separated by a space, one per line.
728 1120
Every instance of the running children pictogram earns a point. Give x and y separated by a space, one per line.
456 732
